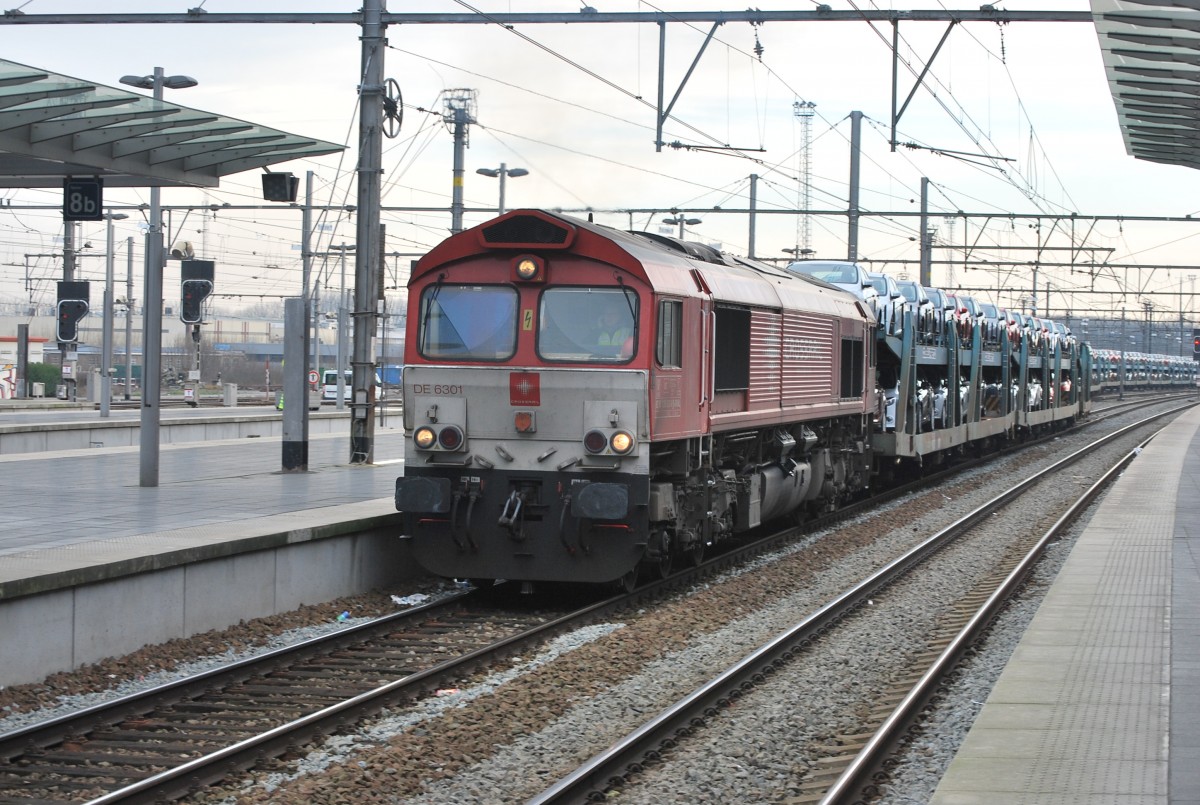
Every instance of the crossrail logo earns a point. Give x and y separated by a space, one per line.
524 388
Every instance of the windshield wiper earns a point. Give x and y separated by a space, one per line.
437 289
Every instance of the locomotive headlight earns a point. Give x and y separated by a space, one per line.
451 437
595 441
424 438
622 442
529 268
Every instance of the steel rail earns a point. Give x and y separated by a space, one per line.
870 759
54 730
609 767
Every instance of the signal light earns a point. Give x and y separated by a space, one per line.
72 306
280 186
524 421
197 277
192 296
70 311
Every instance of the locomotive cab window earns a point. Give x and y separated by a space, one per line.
587 324
468 322
668 350
852 367
732 365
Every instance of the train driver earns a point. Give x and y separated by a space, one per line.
615 336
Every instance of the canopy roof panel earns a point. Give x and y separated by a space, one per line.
54 126
1152 59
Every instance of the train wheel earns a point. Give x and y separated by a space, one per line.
661 567
695 554
628 582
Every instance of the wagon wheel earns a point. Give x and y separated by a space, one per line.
695 554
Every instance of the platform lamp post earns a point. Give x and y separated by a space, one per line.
106 350
128 302
679 219
152 297
502 172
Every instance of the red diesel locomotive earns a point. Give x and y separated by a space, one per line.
581 402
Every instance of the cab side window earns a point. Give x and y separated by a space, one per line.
668 348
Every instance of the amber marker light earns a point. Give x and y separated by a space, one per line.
523 422
621 442
424 438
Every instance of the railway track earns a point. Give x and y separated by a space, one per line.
169 740
172 741
845 772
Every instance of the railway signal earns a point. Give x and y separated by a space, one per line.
197 285
1196 344
193 294
72 306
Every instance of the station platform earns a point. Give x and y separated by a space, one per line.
79 511
1100 702
92 564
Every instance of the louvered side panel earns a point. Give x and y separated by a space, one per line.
765 337
809 365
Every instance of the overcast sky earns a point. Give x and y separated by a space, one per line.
1027 105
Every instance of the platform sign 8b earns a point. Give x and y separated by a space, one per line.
83 199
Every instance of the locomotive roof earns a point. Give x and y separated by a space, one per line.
665 263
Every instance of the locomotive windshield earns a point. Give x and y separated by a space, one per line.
468 322
587 324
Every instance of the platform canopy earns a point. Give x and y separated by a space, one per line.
1152 59
54 126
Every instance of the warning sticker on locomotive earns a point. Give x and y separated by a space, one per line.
524 388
